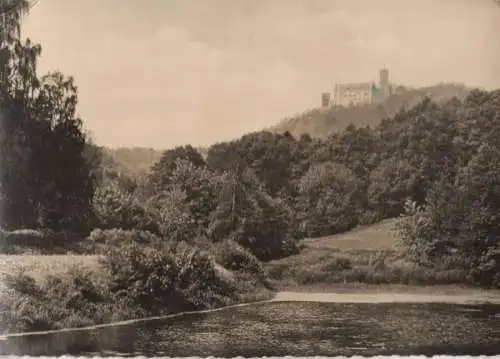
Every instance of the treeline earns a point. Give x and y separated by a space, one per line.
135 160
266 190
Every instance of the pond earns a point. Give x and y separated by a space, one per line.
288 328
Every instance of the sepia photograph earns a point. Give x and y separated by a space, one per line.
249 178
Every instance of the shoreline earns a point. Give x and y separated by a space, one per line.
387 293
361 294
131 321
363 288
385 297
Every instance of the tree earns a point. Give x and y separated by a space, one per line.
46 180
460 223
115 207
269 156
185 203
164 168
417 147
247 214
330 199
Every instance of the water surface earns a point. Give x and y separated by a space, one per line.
289 328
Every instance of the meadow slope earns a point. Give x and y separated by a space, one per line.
366 259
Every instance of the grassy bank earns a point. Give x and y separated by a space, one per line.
41 267
130 281
359 259
135 278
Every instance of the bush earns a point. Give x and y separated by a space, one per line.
98 236
71 300
235 257
25 237
18 241
163 278
117 237
337 265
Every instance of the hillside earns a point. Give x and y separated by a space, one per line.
320 122
333 259
137 160
360 258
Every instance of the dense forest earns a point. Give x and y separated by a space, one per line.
194 230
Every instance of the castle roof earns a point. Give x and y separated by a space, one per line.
355 85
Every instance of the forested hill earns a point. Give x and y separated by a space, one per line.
320 122
135 160
317 123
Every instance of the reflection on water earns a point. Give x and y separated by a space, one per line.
279 329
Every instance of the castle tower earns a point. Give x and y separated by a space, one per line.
384 82
325 99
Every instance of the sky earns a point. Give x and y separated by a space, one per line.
163 73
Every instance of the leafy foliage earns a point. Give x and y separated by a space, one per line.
160 277
252 218
45 179
330 199
183 206
165 167
117 207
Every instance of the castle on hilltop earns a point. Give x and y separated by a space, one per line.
361 93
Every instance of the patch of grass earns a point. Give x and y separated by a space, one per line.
370 255
39 267
136 280
376 237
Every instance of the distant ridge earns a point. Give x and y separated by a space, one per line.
137 160
321 122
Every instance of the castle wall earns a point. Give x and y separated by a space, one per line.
353 94
361 93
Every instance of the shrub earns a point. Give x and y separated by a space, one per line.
97 236
337 265
72 299
21 240
279 271
235 257
160 278
117 237
25 237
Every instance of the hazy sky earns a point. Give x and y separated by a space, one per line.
161 73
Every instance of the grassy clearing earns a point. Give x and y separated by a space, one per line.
45 292
367 255
40 267
373 238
